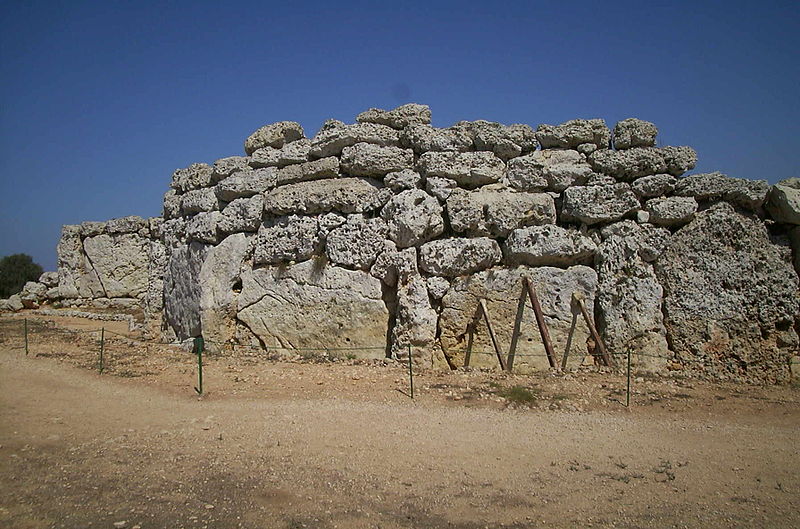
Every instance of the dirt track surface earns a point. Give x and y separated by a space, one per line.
290 445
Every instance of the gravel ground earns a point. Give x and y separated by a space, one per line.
340 444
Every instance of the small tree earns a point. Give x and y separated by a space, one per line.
15 271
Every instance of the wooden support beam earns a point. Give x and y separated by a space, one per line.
497 350
543 330
595 335
512 352
569 339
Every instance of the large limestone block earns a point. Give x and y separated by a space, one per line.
33 293
441 188
400 180
344 195
274 135
246 184
730 297
415 321
401 117
424 138
12 304
602 203
413 217
120 262
291 153
367 159
129 224
548 245
571 134
292 238
331 139
172 205
196 176
784 201
219 276
153 302
679 159
468 169
203 227
72 268
634 132
242 214
357 242
182 289
630 163
199 200
314 305
550 169
307 171
654 185
457 256
749 194
393 265
629 297
501 287
496 212
671 211
504 141
224 167
49 279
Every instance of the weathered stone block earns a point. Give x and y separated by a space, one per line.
469 169
457 257
401 117
344 195
573 133
246 184
548 245
497 212
367 159
311 304
413 217
357 242
274 135
292 238
594 204
634 132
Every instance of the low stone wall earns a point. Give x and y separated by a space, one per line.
390 231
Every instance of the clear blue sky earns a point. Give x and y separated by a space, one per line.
102 101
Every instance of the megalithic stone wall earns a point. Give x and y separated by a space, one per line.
388 232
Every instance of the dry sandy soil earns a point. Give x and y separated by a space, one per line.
341 444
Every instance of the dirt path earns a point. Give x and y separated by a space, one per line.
339 446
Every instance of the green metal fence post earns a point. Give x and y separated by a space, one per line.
628 392
410 371
26 336
198 347
102 346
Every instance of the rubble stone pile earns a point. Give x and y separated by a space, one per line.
389 231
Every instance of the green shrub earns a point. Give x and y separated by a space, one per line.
15 271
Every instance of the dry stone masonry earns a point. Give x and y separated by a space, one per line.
387 233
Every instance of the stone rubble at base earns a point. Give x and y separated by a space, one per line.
391 229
